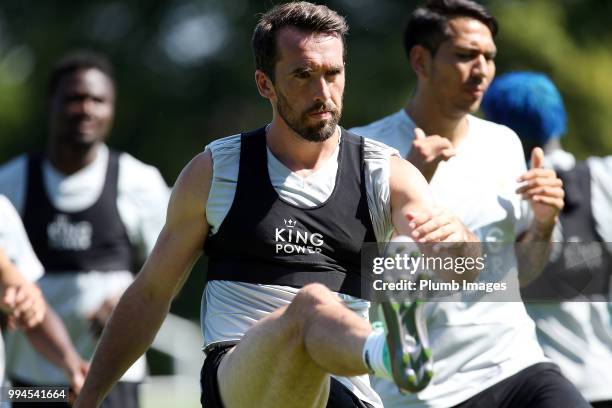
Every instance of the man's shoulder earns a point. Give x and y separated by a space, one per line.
374 149
8 214
5 205
601 168
495 134
136 176
379 128
491 128
225 145
604 162
15 165
13 175
136 168
395 130
225 153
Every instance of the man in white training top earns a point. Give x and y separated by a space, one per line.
485 353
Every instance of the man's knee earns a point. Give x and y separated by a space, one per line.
285 327
309 299
307 306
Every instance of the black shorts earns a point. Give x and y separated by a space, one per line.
123 395
539 386
339 395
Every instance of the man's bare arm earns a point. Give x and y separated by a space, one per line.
533 251
144 305
52 341
43 327
20 299
544 190
410 194
416 215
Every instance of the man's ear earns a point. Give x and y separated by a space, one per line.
420 60
264 85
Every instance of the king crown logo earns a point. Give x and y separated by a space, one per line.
290 223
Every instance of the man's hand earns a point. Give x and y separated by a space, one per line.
76 377
438 225
101 316
428 151
544 190
444 235
24 304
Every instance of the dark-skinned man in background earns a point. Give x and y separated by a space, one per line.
88 211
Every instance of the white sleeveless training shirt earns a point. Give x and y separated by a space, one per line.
229 309
475 344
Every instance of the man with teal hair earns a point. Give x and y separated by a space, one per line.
574 331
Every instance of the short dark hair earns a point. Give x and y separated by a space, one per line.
300 14
75 61
428 25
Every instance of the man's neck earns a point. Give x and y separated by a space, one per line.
69 160
429 117
296 153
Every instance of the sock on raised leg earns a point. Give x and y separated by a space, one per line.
376 354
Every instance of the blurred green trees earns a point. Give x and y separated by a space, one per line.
572 42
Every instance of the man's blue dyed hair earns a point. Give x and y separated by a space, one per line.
528 103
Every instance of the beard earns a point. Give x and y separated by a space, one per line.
318 132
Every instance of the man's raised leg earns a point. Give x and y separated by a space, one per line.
286 359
